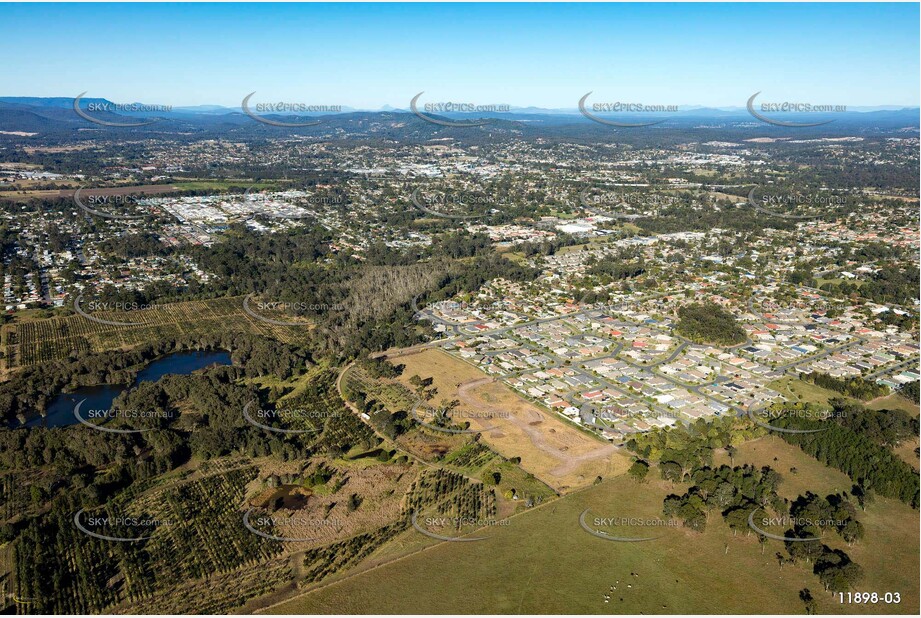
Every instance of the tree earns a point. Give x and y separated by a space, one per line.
806 597
639 470
671 471
731 451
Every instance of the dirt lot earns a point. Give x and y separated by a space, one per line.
555 452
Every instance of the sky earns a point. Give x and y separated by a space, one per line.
543 55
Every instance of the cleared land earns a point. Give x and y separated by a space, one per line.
798 390
891 527
559 454
893 402
544 562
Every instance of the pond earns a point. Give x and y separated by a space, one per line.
100 396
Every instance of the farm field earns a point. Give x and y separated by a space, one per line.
32 341
569 570
555 452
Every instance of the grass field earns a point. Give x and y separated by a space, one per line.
772 451
797 390
893 402
543 562
906 450
891 527
558 454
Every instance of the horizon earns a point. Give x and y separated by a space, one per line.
389 107
544 56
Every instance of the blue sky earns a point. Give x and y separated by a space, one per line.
546 55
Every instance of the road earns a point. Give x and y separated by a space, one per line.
652 367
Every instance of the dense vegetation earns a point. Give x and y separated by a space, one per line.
709 323
856 387
734 492
63 571
855 444
29 391
685 455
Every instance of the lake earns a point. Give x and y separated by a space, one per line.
100 396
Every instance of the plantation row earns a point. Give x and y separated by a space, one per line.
322 562
450 494
201 533
37 341
472 456
219 593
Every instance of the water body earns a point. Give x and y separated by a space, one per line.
101 396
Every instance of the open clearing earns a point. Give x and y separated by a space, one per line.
893 402
810 475
798 390
544 562
555 452
891 527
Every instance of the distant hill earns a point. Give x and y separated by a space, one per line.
55 116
